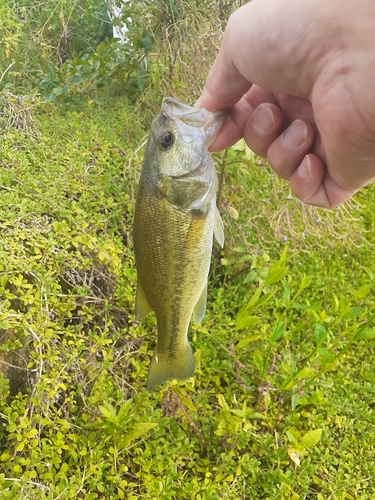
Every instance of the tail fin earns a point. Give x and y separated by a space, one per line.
164 367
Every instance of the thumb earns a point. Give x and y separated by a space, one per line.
267 44
225 84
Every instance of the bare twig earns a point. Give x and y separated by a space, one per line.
198 431
6 71
38 485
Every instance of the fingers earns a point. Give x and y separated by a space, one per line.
239 114
232 129
312 184
263 128
287 151
306 182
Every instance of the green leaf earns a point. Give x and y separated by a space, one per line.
233 213
57 91
319 334
258 361
223 404
124 410
286 293
275 274
51 70
255 415
365 334
284 254
101 48
254 299
305 282
246 321
241 315
225 262
240 145
261 300
246 341
108 411
327 356
76 79
354 311
252 276
145 42
311 438
306 372
292 435
137 431
239 413
278 331
363 291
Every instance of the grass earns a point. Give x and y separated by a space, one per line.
281 406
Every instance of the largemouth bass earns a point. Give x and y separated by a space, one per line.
174 223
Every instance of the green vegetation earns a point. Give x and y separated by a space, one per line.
281 405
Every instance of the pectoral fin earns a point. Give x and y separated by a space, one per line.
218 228
141 305
200 307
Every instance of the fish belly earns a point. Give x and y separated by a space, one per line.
173 253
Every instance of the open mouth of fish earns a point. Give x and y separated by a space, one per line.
195 175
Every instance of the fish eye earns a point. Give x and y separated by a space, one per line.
166 140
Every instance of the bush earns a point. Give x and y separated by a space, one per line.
66 52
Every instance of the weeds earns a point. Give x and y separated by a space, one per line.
281 404
276 355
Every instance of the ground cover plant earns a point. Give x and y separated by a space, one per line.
281 405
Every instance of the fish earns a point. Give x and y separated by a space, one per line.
175 220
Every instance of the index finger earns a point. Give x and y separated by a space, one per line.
231 130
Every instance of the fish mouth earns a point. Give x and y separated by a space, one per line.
198 170
208 121
197 175
177 110
206 187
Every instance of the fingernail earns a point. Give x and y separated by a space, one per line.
295 135
304 169
263 121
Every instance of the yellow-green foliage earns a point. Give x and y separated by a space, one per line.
281 403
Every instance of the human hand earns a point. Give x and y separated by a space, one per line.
298 79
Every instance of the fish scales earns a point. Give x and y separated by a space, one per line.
175 217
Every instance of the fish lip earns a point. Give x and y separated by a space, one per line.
188 174
199 118
180 105
177 104
196 117
176 110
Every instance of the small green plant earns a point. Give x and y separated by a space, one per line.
289 313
